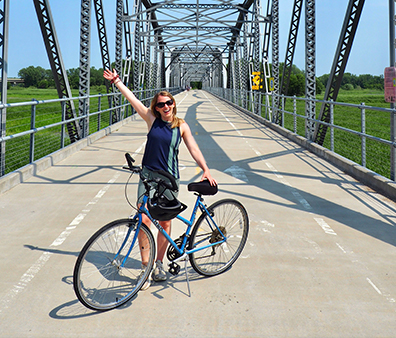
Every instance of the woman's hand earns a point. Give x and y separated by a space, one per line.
110 75
208 176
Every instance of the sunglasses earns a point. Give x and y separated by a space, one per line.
162 104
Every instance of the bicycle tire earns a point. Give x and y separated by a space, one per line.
232 219
99 280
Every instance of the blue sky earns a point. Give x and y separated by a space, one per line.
370 53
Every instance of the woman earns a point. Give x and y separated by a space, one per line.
165 131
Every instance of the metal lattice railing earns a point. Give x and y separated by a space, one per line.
36 128
357 132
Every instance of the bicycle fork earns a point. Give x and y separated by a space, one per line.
132 227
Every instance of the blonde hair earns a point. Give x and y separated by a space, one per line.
176 121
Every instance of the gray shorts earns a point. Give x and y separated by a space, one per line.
147 173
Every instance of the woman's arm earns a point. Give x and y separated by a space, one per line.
140 108
195 152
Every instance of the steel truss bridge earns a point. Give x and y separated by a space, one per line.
170 43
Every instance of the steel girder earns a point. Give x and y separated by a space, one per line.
116 115
245 61
291 46
275 53
100 22
118 38
255 57
104 49
310 67
84 76
202 31
351 21
128 48
56 62
265 57
4 24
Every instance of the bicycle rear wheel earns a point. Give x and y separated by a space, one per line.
232 220
105 275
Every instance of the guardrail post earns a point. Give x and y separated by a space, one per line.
120 110
99 109
363 127
86 114
110 111
283 111
331 125
295 114
2 143
32 126
273 106
63 105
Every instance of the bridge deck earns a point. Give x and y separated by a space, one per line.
319 261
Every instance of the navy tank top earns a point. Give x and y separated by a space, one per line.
162 148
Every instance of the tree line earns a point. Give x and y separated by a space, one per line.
43 78
349 81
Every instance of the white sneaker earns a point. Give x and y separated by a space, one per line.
147 283
159 274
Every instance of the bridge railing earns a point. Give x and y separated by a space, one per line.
38 128
358 132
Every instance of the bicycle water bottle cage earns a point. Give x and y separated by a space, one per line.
203 188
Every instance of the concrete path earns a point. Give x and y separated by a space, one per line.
320 260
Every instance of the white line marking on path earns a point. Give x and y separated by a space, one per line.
321 222
43 259
373 285
326 228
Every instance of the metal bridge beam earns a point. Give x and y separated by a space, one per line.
310 67
104 47
115 115
343 50
291 46
275 54
55 59
84 77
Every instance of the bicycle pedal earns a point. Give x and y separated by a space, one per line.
174 268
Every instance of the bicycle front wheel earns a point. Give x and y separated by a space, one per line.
229 221
109 269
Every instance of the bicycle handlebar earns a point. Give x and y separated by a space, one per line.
136 169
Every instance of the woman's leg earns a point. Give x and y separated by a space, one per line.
143 241
162 242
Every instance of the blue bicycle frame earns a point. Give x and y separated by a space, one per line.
143 210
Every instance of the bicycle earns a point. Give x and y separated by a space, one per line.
109 270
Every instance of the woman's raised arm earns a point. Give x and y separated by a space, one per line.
140 108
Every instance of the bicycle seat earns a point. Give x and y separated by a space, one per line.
203 188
